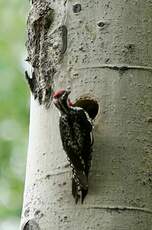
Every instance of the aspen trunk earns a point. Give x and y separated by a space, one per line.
102 50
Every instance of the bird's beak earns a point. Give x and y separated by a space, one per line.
68 92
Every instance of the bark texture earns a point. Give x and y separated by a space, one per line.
46 44
101 49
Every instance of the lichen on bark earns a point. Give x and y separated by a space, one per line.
46 44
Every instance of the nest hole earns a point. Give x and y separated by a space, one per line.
89 105
77 8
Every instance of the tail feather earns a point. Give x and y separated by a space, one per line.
82 179
78 192
75 191
84 192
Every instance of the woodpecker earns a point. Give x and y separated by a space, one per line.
76 136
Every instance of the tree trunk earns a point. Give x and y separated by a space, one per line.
103 51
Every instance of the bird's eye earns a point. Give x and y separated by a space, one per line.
57 96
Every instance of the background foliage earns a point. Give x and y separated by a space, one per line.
13 111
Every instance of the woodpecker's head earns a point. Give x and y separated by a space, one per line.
61 100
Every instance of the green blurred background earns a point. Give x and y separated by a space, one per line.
14 111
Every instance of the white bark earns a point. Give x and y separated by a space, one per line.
109 58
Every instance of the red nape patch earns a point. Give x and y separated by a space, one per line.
70 103
58 93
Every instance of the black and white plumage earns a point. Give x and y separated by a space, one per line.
76 136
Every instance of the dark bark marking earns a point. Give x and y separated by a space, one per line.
121 209
26 212
31 81
64 39
30 225
47 176
77 8
48 20
102 25
38 214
